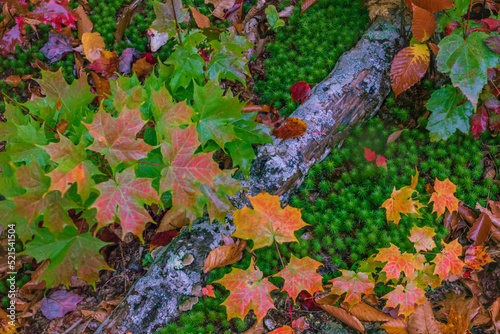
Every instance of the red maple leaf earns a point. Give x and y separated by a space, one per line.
476 257
125 199
267 221
208 291
447 261
248 291
406 298
12 37
354 285
397 262
55 13
381 161
443 197
401 202
300 91
422 237
300 274
369 154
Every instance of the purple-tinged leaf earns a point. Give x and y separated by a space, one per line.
491 102
494 122
13 36
479 122
56 47
493 43
59 303
128 56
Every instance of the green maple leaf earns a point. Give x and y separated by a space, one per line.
124 197
115 138
165 20
466 62
68 251
449 113
215 113
216 198
188 66
72 167
62 101
186 171
226 65
169 115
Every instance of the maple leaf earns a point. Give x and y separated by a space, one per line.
425 277
354 284
216 196
476 257
422 237
13 37
401 203
300 274
72 167
124 198
409 66
406 298
443 197
369 154
68 251
267 221
115 138
169 115
106 65
397 262
166 16
186 170
447 261
248 291
300 91
381 161
208 291
55 13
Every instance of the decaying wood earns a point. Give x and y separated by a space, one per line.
354 89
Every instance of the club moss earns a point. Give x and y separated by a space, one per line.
307 48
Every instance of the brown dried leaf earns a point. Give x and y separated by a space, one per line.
382 8
394 136
142 68
257 328
480 230
468 307
224 255
434 48
451 221
124 20
220 7
456 324
188 304
395 326
422 321
92 44
100 315
325 298
306 4
365 312
173 220
15 80
494 311
83 24
80 70
344 316
201 20
102 86
467 213
423 24
293 127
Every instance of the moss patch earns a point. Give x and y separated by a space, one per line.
308 47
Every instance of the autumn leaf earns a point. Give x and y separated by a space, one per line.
422 237
395 326
292 128
93 44
59 303
433 6
166 16
300 274
282 330
369 154
381 161
344 316
124 197
55 13
56 47
115 138
447 261
354 285
397 262
208 291
201 20
406 298
456 323
106 65
476 257
224 255
401 203
13 37
423 321
479 122
72 167
480 229
306 4
248 291
267 221
300 91
409 66
443 197
365 312
423 24
68 251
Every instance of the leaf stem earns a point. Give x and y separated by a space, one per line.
289 302
176 23
468 17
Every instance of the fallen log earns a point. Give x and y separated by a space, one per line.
355 88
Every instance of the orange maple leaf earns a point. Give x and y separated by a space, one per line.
397 262
354 285
425 277
448 260
267 221
476 257
248 291
401 203
405 298
208 291
443 197
422 237
300 274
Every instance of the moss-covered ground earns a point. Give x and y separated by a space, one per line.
307 48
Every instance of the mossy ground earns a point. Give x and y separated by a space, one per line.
307 48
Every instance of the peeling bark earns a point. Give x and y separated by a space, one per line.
354 89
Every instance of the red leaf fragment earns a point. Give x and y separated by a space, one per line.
369 154
479 122
476 257
381 161
492 23
54 13
12 37
209 291
162 239
300 91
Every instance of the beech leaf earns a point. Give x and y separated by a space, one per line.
267 221
409 66
433 6
480 230
479 122
224 256
395 326
365 312
423 24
